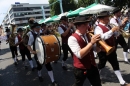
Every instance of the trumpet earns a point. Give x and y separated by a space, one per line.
125 34
108 49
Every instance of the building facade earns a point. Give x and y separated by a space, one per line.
20 13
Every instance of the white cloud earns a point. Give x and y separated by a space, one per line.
5 4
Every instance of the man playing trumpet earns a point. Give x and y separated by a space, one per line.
107 33
83 57
120 39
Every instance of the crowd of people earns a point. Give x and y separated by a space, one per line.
77 39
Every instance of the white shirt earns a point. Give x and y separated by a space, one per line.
16 40
74 46
105 35
60 30
113 21
40 30
31 38
119 23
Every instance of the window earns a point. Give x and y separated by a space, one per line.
47 12
39 17
11 11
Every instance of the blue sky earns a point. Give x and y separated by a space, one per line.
5 4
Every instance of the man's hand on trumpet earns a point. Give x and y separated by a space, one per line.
95 38
125 20
115 28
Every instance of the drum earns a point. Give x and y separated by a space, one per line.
48 48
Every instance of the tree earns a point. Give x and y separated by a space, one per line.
84 3
117 3
66 4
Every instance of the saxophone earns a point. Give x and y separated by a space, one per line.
12 35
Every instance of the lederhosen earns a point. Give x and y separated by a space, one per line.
65 46
85 67
39 66
120 40
111 58
24 50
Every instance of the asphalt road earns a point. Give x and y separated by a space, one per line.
11 75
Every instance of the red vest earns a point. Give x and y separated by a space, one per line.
65 39
21 45
111 40
88 60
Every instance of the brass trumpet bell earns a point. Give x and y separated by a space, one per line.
107 48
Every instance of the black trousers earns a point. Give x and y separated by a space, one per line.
92 74
111 58
13 51
129 42
26 52
65 49
39 66
120 40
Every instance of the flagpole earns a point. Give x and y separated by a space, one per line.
43 12
61 8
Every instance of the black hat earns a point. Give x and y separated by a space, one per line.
63 18
7 30
116 10
103 14
35 25
43 24
20 30
81 19
88 15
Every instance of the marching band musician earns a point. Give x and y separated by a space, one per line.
13 47
44 29
83 56
120 39
107 34
23 49
65 31
32 37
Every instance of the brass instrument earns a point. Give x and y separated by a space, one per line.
108 49
125 34
12 35
25 37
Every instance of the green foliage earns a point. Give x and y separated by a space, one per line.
117 3
85 3
66 4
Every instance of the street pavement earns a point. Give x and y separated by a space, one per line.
11 75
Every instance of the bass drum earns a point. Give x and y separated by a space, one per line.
48 48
